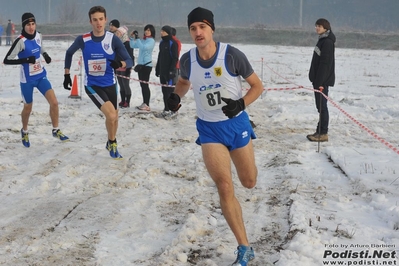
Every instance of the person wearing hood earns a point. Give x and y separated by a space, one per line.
322 76
28 47
166 67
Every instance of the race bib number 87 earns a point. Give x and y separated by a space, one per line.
212 99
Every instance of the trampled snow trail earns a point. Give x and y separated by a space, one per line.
84 195
70 204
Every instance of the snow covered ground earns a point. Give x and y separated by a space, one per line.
71 204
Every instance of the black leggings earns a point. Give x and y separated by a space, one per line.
144 75
166 91
124 85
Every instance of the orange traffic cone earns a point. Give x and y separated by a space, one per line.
75 91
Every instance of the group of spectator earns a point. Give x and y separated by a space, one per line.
166 68
10 32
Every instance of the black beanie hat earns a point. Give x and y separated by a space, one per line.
26 18
115 23
167 29
200 14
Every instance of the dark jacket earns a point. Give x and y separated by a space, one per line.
167 57
129 51
322 68
9 29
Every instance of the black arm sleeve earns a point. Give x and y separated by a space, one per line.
19 61
15 61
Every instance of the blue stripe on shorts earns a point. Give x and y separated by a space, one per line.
234 133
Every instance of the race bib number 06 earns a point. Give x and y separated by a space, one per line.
212 99
97 67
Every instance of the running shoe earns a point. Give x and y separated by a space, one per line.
113 150
244 255
25 139
59 135
144 107
125 105
169 115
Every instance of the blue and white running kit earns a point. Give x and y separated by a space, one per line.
31 75
209 85
99 75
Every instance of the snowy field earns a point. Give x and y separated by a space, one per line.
71 204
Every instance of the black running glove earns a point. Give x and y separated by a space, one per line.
135 34
31 59
174 102
67 81
115 64
47 58
233 107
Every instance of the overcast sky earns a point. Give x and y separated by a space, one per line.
359 15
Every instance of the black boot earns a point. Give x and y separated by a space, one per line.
122 103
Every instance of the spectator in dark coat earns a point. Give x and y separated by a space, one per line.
9 32
166 66
123 74
322 75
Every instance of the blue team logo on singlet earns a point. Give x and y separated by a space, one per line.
209 87
208 75
106 46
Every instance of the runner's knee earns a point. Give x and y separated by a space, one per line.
225 188
249 183
249 179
